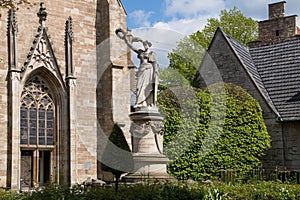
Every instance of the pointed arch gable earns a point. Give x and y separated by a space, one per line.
41 55
56 86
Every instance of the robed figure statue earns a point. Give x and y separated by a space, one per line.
147 74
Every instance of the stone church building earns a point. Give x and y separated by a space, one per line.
65 80
269 70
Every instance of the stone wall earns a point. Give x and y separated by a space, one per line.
3 100
278 27
113 89
277 10
291 141
112 98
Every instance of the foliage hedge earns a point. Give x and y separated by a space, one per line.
206 131
172 191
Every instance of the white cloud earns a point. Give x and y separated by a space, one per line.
189 8
196 12
185 26
141 18
189 16
258 9
163 41
165 35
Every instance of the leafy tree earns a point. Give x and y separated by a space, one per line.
219 128
234 23
171 78
187 56
186 59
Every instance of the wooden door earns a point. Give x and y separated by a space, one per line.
26 168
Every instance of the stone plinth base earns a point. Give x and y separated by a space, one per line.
147 132
135 178
147 145
148 167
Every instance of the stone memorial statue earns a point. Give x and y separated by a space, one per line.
147 74
147 123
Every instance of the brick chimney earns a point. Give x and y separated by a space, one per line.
278 27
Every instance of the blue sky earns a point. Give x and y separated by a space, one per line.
152 7
165 22
188 16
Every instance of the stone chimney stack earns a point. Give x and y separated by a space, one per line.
277 10
278 27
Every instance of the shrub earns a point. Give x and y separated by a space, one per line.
206 131
167 191
10 195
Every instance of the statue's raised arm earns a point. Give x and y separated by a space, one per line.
128 38
147 74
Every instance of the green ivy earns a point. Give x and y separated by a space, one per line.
206 131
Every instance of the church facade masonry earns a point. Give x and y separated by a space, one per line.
65 81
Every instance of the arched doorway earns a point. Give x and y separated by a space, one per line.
38 137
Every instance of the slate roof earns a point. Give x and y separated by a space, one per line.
275 70
244 55
278 65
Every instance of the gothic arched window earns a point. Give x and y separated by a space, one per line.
36 114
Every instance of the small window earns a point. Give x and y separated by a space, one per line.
277 32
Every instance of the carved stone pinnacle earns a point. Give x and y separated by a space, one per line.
42 14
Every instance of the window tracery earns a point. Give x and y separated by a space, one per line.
36 114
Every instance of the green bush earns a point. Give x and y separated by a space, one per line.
207 131
10 195
263 191
167 191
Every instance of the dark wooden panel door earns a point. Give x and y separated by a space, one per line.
26 168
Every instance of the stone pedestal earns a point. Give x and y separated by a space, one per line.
147 146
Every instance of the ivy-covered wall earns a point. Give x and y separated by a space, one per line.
205 131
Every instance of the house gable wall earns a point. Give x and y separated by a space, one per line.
232 71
